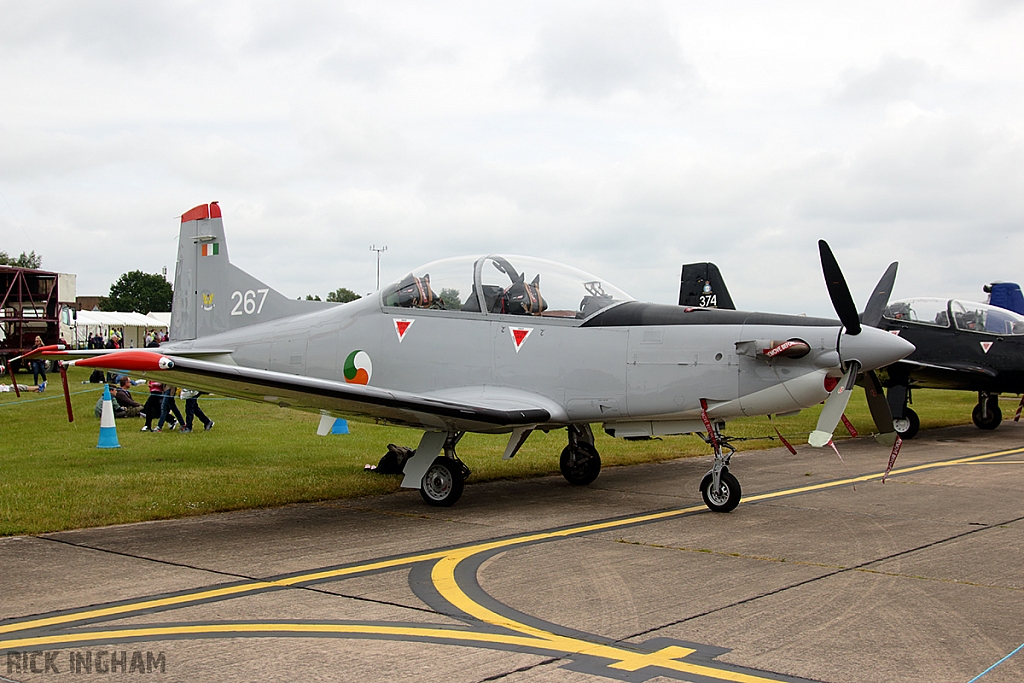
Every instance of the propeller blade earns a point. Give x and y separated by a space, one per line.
838 290
879 407
67 392
880 297
835 406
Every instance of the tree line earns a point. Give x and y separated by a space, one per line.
146 292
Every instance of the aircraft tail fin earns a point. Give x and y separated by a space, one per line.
701 284
210 294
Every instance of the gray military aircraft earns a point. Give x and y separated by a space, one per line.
503 344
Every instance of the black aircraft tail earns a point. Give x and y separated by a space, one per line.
702 285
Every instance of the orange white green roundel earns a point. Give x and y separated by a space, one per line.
358 368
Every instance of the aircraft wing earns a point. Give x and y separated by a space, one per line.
964 376
322 395
952 367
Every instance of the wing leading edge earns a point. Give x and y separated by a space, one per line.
318 395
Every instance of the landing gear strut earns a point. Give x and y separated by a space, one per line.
719 488
580 462
444 480
986 414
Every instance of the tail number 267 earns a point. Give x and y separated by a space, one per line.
245 304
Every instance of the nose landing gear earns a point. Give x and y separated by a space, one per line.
719 488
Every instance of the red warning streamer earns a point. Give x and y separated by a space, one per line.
892 456
849 426
781 437
707 423
1016 418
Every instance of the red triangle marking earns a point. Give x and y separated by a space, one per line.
986 346
401 326
519 335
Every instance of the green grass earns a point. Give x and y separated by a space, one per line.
52 476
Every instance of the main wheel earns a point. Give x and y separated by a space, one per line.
726 498
442 484
908 427
582 466
991 419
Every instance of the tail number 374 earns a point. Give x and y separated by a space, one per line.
246 304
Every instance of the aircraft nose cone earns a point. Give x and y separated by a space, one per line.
873 348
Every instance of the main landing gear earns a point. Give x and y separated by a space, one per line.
445 479
719 488
986 414
580 462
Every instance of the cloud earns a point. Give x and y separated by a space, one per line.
597 52
120 31
894 78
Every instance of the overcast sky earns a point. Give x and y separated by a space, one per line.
624 138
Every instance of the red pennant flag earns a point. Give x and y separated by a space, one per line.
781 437
849 426
892 456
707 423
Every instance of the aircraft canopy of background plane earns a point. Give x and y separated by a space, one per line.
967 316
963 345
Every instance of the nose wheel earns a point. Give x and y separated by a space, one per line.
908 425
723 498
719 488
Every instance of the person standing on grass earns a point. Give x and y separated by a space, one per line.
167 407
38 365
192 409
151 411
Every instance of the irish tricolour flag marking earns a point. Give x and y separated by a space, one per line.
210 249
519 335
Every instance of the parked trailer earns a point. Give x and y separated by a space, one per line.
33 303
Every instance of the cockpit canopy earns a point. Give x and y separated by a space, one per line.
966 315
510 285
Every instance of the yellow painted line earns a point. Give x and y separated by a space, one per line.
868 477
627 660
463 602
229 591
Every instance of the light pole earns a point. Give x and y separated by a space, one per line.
373 247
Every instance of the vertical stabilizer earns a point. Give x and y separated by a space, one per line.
702 285
210 294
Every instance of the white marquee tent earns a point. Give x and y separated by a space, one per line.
131 327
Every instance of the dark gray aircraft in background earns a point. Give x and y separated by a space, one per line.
505 344
959 345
